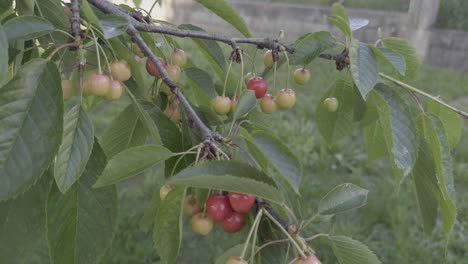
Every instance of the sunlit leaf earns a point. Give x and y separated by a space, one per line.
364 68
342 198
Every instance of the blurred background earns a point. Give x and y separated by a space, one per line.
390 224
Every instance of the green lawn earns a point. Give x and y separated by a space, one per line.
390 224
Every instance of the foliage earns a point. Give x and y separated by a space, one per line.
49 155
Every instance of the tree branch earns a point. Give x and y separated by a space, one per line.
75 21
261 43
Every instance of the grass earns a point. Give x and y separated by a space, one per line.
394 5
390 224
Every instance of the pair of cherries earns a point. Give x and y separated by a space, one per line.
229 210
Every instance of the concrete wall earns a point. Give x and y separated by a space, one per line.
444 48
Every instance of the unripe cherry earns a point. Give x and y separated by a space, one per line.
301 76
268 104
236 260
174 72
178 57
120 70
309 260
201 224
268 59
164 191
98 84
285 98
191 206
221 104
115 91
331 104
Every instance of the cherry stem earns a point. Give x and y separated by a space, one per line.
316 236
97 50
293 241
252 230
289 69
59 48
227 77
431 97
274 77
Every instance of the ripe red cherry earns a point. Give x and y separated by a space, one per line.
174 72
178 57
115 91
309 260
221 104
268 59
151 68
285 98
218 207
164 191
301 76
233 223
331 104
120 70
268 104
98 84
191 206
241 202
236 260
259 85
66 89
201 224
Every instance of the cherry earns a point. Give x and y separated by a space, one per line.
221 104
151 68
178 57
174 72
115 91
173 113
233 223
259 85
301 76
331 104
120 70
191 206
98 84
268 104
66 89
234 100
137 51
218 207
164 191
285 98
240 202
268 59
236 260
309 260
201 224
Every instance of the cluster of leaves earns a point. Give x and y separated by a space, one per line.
58 182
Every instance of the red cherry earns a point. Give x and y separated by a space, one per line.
236 260
151 68
259 85
268 104
233 223
218 207
309 260
240 202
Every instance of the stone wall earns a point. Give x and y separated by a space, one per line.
443 48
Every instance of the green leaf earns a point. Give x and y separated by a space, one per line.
113 26
22 225
442 166
280 157
247 101
131 162
398 128
226 12
31 118
3 53
350 251
76 147
52 10
375 141
338 9
406 50
26 27
125 131
364 68
342 198
167 233
232 176
88 14
451 122
335 125
211 50
309 46
341 24
80 223
201 86
390 57
150 126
